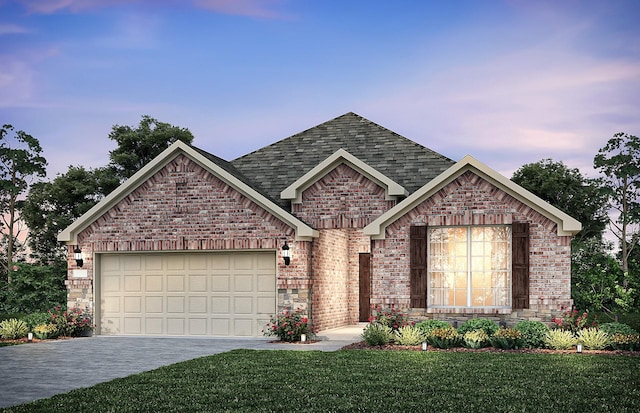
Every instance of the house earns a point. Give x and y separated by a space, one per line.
193 244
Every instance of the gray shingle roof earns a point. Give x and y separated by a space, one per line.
275 167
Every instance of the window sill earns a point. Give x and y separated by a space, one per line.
469 310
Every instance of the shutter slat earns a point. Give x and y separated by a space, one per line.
520 265
418 266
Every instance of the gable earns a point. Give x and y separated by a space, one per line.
276 167
566 225
208 164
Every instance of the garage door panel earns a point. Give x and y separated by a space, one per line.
154 283
175 283
220 294
154 305
220 283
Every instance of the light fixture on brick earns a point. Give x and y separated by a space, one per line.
77 255
286 253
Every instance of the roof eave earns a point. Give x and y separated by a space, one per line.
566 225
70 234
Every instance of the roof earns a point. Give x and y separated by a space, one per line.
217 166
566 224
277 166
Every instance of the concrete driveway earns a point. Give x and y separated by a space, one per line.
39 370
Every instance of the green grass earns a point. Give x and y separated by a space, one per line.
368 381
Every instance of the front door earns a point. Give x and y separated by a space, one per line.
365 287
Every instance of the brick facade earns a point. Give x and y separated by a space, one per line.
184 207
471 200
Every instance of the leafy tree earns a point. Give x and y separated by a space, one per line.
52 206
570 191
20 162
34 288
619 161
136 147
597 282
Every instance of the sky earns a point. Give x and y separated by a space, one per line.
509 82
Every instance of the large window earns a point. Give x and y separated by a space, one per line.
469 266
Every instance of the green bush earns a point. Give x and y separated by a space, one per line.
13 329
34 288
593 339
45 331
447 337
630 342
36 319
427 326
376 334
557 339
533 333
506 338
617 328
409 336
476 339
474 324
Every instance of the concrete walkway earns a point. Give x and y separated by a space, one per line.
39 370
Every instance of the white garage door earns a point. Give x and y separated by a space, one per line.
195 294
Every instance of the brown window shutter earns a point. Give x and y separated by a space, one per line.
418 266
520 264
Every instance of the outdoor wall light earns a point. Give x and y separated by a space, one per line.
286 253
77 255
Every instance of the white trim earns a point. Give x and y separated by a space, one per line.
567 226
341 156
70 234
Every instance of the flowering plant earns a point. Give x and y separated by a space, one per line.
289 325
72 322
572 320
393 317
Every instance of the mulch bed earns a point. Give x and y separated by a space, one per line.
392 347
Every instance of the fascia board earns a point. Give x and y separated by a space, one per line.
567 226
294 191
69 235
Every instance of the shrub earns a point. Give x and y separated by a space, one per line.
390 317
36 319
376 334
34 288
79 321
533 333
560 339
474 324
289 326
45 331
575 321
506 338
593 339
617 328
447 337
629 342
427 326
13 329
476 339
409 336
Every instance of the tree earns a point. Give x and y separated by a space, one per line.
20 162
136 147
570 191
619 161
52 206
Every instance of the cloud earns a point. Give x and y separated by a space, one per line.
266 9
8 28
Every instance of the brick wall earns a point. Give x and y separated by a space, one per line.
343 198
470 200
183 207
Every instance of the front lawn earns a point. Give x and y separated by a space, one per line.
368 381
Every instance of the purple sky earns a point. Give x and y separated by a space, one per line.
510 82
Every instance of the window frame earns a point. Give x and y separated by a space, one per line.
469 269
